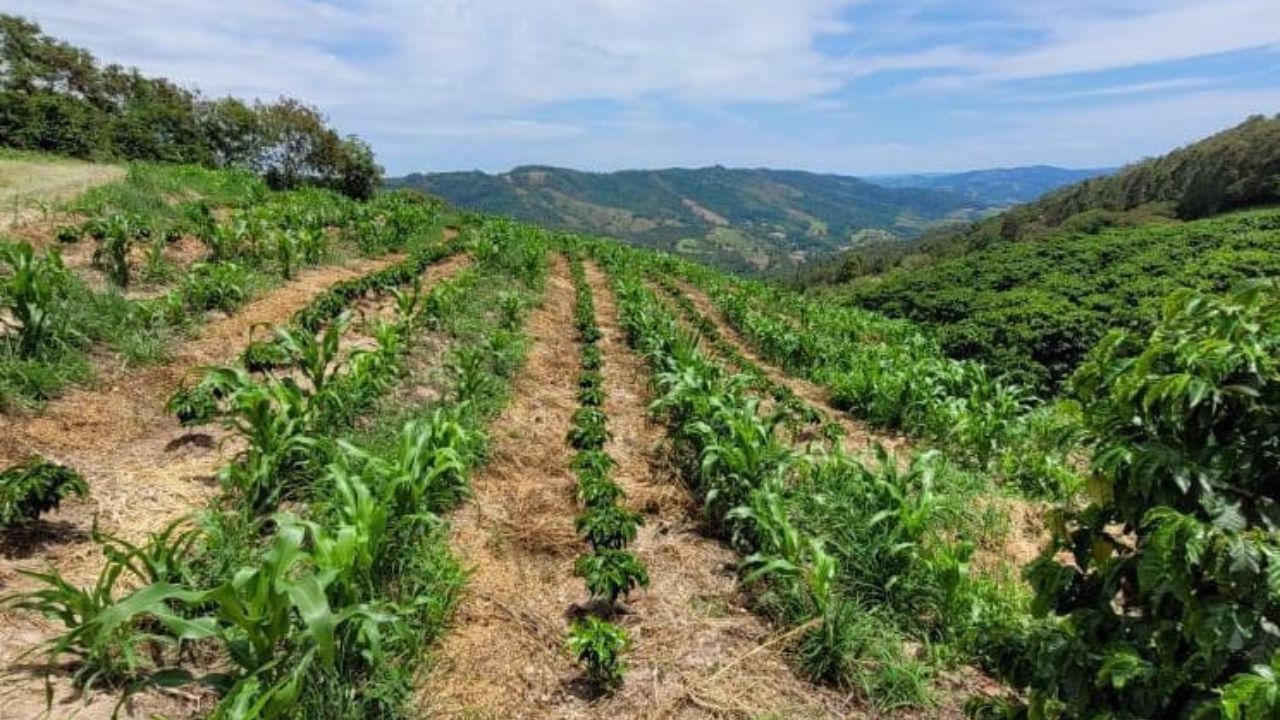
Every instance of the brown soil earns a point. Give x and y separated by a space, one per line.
143 469
504 658
698 651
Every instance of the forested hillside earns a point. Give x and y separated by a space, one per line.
997 186
1031 290
741 219
57 98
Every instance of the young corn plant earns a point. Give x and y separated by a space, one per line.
34 290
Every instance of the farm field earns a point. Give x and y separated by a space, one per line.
343 458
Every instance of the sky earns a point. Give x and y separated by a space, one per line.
853 87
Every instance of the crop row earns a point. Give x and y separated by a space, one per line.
52 316
609 570
798 410
890 374
323 614
854 557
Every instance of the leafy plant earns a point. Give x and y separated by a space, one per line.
34 289
1174 562
598 646
610 574
607 526
589 428
32 488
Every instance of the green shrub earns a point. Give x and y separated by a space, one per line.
1168 603
598 646
610 574
30 489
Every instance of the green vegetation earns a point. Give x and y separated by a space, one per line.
57 99
609 571
1034 309
35 487
323 610
57 317
598 645
744 220
828 542
1166 606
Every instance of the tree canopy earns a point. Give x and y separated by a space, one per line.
57 98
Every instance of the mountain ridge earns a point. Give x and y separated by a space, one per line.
747 219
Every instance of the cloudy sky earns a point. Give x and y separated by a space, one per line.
861 87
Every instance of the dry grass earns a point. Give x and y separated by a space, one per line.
28 187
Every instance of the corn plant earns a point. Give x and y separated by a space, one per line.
111 255
34 290
276 420
33 488
598 646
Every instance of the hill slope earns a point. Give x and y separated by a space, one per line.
743 219
996 186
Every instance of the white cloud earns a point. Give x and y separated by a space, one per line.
497 82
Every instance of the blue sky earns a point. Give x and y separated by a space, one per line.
863 87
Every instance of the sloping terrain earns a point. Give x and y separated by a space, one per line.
996 186
29 184
743 219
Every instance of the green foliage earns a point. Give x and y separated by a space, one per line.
33 488
1174 572
607 526
598 646
35 290
58 99
1035 309
610 574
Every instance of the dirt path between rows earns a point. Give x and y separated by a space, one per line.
699 652
858 436
144 471
503 658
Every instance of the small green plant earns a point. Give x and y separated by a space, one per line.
589 429
69 234
34 290
30 489
598 646
610 574
193 405
607 526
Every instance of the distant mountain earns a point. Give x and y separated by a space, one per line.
998 186
744 219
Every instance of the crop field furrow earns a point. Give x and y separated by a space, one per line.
858 435
142 466
503 656
698 651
